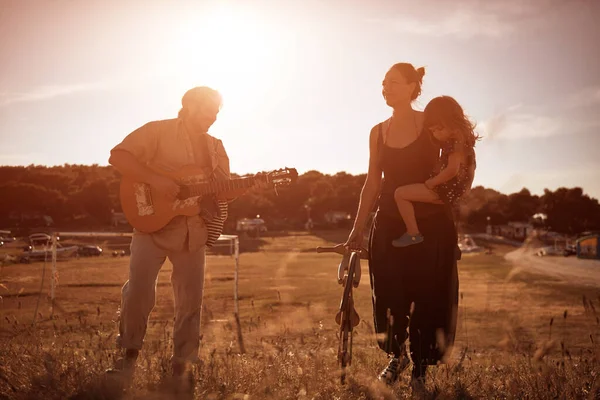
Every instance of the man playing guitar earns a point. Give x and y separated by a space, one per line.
170 145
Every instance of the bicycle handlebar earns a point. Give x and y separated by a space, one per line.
340 249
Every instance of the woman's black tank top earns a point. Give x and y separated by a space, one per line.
404 166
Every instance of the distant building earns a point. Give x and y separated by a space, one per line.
30 217
589 247
512 230
251 225
118 218
333 217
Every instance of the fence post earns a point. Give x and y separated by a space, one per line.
53 274
236 308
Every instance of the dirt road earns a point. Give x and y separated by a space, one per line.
568 269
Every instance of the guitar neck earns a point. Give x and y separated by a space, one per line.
202 189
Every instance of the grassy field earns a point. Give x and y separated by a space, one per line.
520 335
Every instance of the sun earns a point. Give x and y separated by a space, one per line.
233 51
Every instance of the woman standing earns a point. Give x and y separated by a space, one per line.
414 286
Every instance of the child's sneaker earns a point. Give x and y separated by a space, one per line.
407 240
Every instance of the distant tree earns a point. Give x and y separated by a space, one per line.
62 191
291 200
56 179
322 194
570 211
94 199
539 220
347 191
522 206
481 204
28 199
250 205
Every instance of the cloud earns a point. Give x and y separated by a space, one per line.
517 123
47 92
466 19
570 116
586 97
461 23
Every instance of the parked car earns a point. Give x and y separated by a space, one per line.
549 251
44 253
570 250
251 225
89 250
40 239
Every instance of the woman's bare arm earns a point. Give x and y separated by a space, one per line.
372 185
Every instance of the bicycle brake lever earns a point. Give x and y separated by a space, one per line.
343 267
357 273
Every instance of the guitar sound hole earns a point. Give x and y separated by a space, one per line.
184 192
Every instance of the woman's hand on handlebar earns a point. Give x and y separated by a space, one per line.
355 239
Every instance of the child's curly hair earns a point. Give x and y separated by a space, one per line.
445 111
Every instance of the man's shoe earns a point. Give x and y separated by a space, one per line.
179 368
393 370
417 380
181 382
124 367
418 385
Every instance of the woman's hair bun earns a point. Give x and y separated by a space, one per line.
421 72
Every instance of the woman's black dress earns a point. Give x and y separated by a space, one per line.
424 274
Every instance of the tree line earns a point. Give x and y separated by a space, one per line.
85 197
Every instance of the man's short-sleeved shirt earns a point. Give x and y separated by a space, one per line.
167 145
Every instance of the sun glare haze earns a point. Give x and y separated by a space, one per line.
286 199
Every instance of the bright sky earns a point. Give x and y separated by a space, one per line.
302 80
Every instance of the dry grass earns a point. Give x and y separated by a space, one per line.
288 299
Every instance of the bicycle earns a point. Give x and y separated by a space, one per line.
347 318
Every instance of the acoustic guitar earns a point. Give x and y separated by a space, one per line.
148 211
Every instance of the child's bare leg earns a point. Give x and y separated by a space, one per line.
417 192
405 195
407 211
